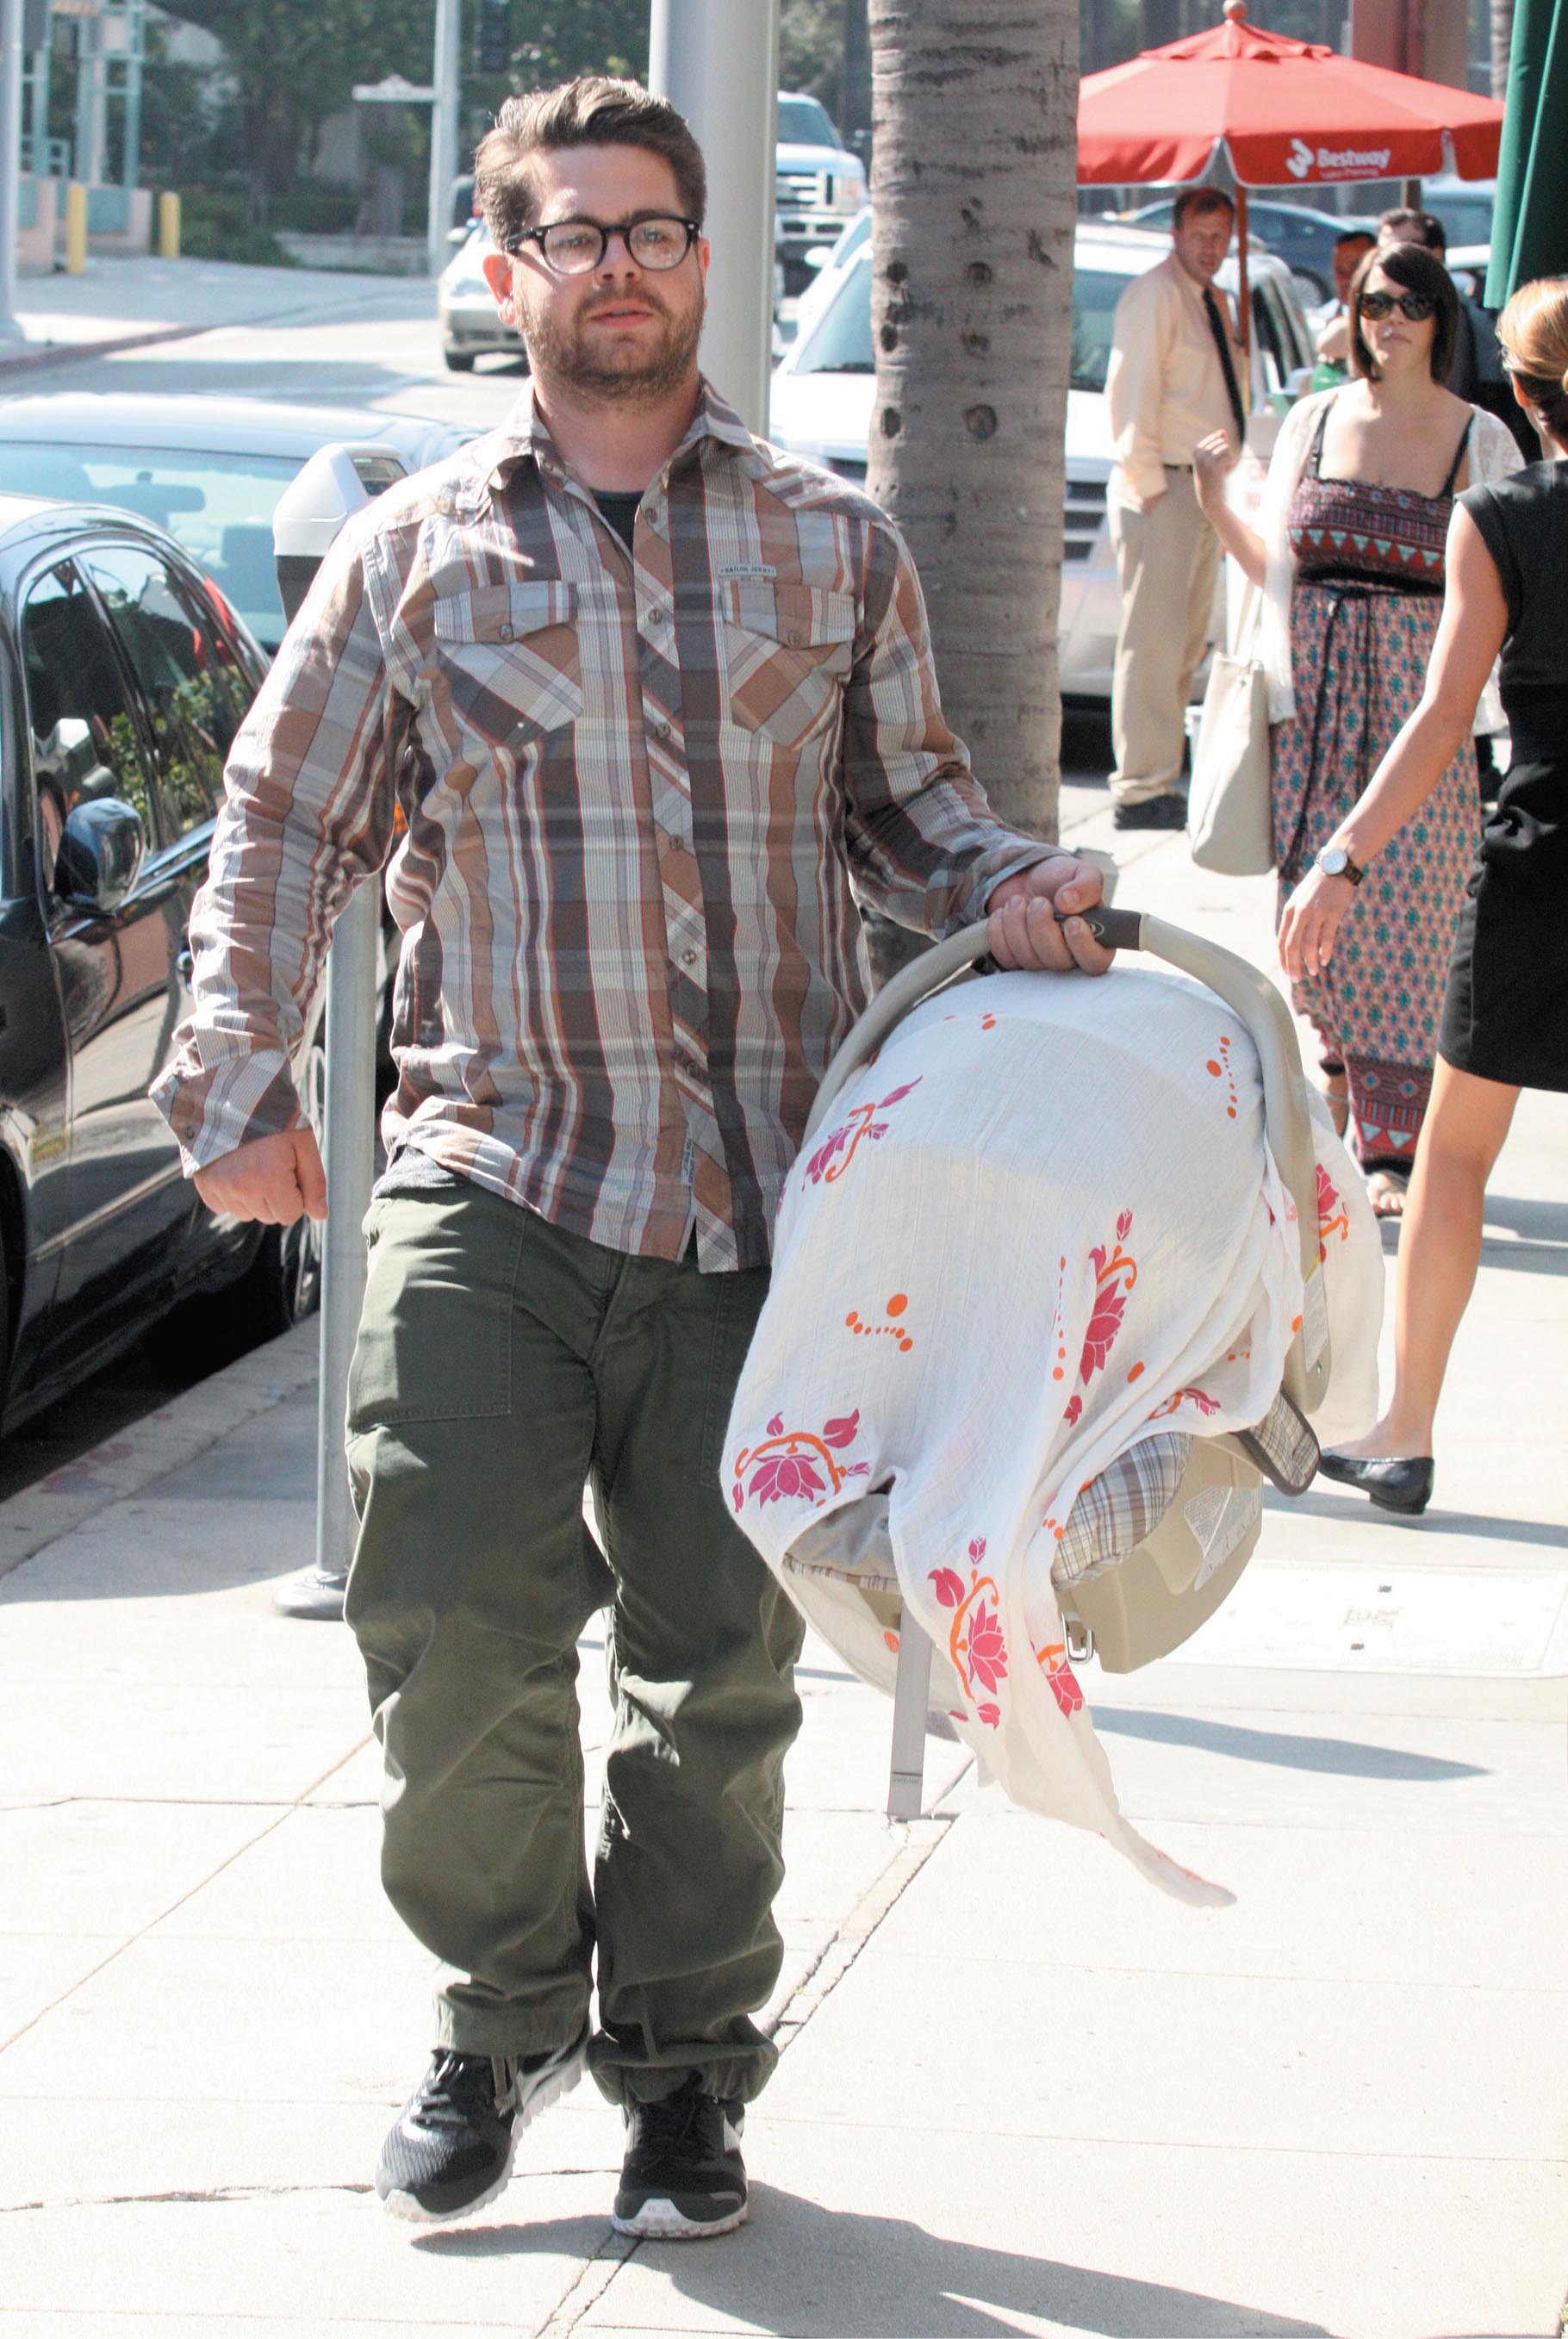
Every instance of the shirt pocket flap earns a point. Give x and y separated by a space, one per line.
796 617
505 613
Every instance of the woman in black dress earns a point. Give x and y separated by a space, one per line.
1505 1008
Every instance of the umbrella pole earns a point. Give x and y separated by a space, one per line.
1244 304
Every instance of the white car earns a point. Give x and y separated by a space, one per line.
471 325
209 470
824 390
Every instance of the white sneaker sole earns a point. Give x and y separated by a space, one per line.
661 2221
549 2088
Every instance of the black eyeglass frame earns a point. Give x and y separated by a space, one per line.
1414 307
625 229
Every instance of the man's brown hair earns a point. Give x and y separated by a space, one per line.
592 110
1193 202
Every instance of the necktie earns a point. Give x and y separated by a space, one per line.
1227 363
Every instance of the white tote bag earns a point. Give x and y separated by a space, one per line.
1229 816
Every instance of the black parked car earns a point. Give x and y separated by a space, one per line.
124 677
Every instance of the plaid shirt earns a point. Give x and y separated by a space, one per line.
636 792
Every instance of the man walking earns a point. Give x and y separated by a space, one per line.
1175 376
647 695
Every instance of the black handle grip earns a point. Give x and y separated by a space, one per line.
1117 929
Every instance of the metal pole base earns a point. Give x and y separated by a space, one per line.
313 1595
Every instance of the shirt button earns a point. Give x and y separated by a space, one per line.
505 633
662 731
658 617
688 958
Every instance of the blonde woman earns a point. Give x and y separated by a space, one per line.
1350 561
1506 1010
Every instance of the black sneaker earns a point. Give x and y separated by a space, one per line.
1166 811
451 2150
683 2177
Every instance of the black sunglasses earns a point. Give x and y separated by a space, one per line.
1415 306
575 247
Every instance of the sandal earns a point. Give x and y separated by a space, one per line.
1386 1190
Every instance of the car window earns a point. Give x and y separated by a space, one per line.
841 343
803 122
83 733
217 507
1094 298
186 678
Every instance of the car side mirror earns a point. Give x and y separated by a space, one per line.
99 854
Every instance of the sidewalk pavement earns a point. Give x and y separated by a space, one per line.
132 304
1020 2092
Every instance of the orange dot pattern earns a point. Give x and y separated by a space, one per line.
896 1330
1222 1070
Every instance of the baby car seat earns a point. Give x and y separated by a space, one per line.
1150 1599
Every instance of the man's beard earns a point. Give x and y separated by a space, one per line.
566 357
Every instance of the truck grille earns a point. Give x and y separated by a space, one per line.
1083 509
798 191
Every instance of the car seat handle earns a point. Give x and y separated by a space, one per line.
1288 1118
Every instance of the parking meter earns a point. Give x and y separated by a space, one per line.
337 482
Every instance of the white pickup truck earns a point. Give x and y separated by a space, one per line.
825 387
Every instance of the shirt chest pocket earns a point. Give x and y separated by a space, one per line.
788 651
510 658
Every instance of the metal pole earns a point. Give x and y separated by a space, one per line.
10 162
350 1150
446 75
720 67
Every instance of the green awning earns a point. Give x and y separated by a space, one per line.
1530 224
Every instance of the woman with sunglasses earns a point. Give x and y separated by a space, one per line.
1506 1010
1349 561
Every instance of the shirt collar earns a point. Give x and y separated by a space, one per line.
524 438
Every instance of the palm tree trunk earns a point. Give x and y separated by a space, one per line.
1502 41
974 196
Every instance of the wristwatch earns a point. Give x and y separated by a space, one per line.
1334 861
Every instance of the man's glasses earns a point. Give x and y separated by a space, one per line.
1415 306
575 247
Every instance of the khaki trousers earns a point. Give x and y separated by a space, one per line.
501 1361
1168 560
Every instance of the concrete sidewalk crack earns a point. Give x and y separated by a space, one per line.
916 1842
200 1886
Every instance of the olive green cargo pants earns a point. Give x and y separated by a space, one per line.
501 1363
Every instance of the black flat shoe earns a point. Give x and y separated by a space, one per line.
1403 1483
1166 811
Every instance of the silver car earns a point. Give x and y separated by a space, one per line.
210 470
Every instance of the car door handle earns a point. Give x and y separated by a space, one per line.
186 966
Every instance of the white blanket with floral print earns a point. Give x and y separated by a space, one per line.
1043 1219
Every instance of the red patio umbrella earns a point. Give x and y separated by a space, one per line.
1279 112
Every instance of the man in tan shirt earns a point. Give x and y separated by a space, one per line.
1175 376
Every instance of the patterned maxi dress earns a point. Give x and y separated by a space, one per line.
1363 615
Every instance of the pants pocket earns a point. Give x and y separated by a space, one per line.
435 1341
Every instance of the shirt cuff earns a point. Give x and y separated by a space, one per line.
216 1098
991 869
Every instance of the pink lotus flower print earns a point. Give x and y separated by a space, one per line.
986 1649
783 1477
825 1167
948 1586
1115 1273
1066 1691
797 1465
990 1714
